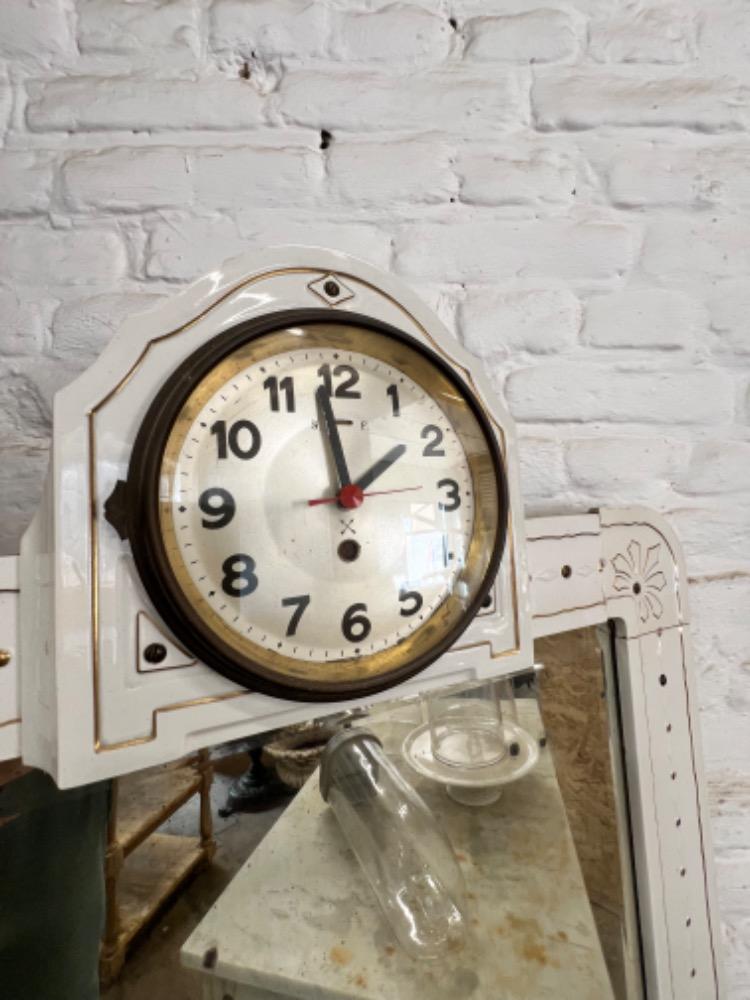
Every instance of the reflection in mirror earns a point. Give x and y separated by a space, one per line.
579 708
551 859
538 826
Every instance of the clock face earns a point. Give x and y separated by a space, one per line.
323 505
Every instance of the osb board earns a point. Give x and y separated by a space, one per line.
575 714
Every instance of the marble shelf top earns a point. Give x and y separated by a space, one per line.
299 919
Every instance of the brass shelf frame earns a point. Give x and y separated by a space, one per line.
144 868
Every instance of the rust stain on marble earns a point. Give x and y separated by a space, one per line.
340 955
532 951
528 939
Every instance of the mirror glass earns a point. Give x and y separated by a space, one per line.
548 862
526 784
578 701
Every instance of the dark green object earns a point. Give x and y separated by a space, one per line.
257 789
52 896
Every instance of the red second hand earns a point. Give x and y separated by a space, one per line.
375 493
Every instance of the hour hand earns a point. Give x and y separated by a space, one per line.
332 433
377 470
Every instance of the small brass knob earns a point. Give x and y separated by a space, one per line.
5 657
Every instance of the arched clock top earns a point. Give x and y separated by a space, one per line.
116 549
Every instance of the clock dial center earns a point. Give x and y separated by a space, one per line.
351 496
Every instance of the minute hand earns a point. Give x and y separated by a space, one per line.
377 470
334 439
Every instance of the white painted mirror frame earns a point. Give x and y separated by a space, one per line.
623 567
623 570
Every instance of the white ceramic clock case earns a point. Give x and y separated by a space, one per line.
95 701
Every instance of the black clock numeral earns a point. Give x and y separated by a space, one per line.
345 390
415 600
286 385
239 575
392 391
453 494
325 373
432 449
237 440
299 604
355 625
217 504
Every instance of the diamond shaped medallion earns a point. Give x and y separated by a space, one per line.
331 289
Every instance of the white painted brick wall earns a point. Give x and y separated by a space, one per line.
276 28
568 184
644 317
138 28
535 36
528 176
645 34
396 34
594 96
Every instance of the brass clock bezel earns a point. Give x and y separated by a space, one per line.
159 561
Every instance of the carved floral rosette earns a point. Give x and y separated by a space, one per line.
642 572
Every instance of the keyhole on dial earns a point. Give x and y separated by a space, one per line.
349 550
